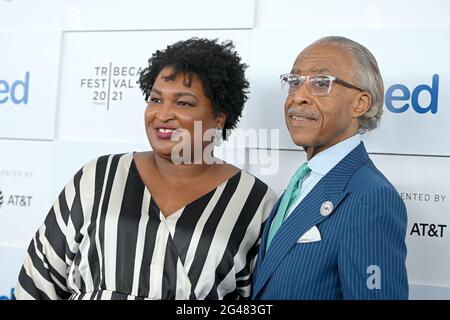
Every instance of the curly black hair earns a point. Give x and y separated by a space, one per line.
216 64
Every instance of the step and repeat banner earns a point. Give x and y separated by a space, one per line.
68 94
28 84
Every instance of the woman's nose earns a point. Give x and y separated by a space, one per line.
164 112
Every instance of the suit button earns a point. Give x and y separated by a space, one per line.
326 208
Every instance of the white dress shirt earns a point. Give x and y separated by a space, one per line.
321 164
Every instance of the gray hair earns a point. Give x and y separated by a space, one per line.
368 76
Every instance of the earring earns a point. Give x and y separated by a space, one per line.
218 138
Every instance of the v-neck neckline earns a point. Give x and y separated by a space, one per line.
180 210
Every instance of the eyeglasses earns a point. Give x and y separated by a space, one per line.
318 85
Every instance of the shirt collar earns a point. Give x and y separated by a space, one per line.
327 159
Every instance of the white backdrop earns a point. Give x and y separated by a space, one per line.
68 93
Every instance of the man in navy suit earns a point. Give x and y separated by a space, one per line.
338 231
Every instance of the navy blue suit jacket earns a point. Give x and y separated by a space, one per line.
362 251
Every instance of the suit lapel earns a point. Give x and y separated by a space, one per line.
262 248
307 214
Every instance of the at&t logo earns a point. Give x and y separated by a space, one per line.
15 200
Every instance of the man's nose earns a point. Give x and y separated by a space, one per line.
301 94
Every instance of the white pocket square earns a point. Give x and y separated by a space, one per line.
311 235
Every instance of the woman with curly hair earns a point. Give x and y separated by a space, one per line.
145 225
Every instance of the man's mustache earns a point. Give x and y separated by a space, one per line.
302 112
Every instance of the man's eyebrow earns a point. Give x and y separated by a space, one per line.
316 70
321 70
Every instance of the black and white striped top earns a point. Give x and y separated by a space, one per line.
105 238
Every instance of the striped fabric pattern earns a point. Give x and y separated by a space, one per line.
106 238
362 251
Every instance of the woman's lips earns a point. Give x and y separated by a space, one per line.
165 133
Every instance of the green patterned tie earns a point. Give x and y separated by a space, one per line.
289 197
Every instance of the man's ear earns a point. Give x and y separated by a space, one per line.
363 101
220 120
